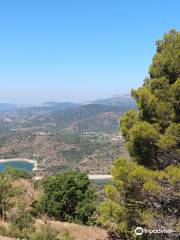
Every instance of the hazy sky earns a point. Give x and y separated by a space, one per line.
64 50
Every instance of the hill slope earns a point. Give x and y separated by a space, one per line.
84 137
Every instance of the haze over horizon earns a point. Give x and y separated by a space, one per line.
90 100
78 50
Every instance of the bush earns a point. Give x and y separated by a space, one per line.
140 197
46 232
67 196
17 173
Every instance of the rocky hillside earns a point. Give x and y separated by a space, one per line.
61 135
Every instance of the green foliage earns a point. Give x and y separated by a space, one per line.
166 61
67 196
158 102
171 138
145 189
146 103
21 219
17 173
12 231
173 132
66 236
137 198
6 193
111 212
159 87
21 225
175 91
143 143
127 121
46 232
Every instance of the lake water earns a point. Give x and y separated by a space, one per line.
102 181
29 166
18 164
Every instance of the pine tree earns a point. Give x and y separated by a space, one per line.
145 189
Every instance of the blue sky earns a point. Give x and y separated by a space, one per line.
76 50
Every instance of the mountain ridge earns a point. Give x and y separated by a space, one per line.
116 100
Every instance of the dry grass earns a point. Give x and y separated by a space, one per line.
79 232
28 192
7 238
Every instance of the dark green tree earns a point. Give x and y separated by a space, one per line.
67 196
140 197
145 189
147 131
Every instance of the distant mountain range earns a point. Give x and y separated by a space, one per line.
119 101
60 105
123 100
98 116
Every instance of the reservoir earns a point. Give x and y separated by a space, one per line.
31 165
17 164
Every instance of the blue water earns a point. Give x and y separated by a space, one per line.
24 165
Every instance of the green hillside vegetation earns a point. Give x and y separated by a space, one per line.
67 196
145 191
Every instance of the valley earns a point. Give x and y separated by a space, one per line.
64 135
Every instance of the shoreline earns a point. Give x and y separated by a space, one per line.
34 162
91 177
35 168
99 176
